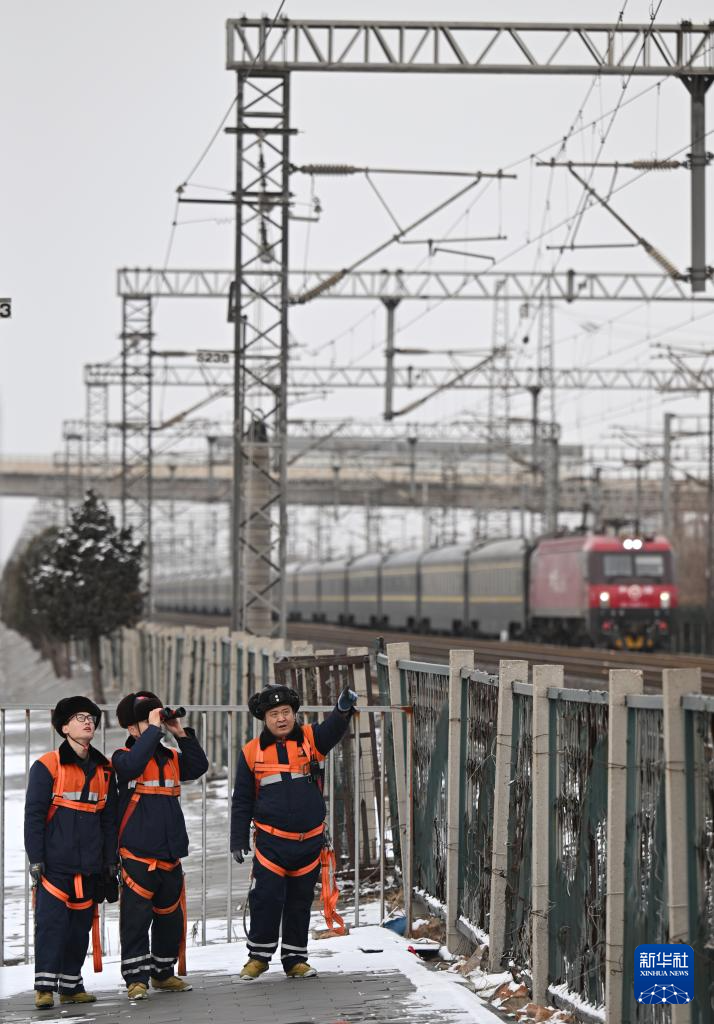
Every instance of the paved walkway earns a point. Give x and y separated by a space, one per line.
385 985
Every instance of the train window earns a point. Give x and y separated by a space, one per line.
617 565
651 566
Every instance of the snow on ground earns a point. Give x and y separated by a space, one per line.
437 990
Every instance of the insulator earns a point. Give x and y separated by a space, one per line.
328 169
662 260
656 165
323 286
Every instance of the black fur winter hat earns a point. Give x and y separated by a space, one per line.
273 697
69 706
136 707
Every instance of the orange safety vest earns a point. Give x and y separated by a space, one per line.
150 783
68 781
267 773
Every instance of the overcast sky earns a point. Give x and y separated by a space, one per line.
106 106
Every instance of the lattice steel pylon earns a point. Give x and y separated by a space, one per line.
136 426
259 541
96 435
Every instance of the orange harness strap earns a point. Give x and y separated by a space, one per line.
79 903
283 872
164 865
330 892
297 836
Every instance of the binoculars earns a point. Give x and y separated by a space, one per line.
167 713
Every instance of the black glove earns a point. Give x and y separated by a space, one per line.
111 883
346 700
239 855
36 872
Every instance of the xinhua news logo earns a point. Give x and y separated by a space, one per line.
664 973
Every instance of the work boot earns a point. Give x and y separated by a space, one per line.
78 997
137 990
44 1000
253 970
301 971
171 984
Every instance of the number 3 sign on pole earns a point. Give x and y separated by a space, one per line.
5 309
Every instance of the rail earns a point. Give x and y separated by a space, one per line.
28 723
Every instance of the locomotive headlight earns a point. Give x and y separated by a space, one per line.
665 598
604 597
627 544
637 544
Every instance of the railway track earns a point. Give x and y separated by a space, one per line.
585 667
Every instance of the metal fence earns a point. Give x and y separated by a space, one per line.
699 754
646 853
479 707
578 839
211 890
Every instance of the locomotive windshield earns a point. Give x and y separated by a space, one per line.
621 567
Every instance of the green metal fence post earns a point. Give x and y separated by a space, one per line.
675 683
544 676
396 653
454 787
622 683
509 672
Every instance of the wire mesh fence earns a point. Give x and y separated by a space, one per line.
426 688
579 765
478 757
700 826
646 853
517 945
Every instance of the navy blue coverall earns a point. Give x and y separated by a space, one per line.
293 805
156 830
72 843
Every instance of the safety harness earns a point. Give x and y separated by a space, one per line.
156 780
301 763
68 783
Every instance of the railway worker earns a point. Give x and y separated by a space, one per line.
152 841
278 787
70 841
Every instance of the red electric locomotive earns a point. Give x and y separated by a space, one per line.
613 591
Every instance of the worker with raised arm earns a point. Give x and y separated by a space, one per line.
152 841
278 788
70 841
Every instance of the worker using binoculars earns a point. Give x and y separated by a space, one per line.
152 841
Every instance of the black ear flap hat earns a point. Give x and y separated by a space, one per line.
273 697
136 707
69 706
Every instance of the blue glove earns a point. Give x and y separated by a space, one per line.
346 700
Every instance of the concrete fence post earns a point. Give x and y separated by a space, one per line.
509 672
455 942
544 676
675 683
396 653
622 683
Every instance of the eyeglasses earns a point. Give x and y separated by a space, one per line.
82 718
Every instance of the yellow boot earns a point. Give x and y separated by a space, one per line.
301 971
44 1000
253 970
171 984
137 990
79 997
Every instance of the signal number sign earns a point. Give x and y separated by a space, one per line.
5 309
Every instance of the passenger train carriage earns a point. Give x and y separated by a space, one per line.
577 589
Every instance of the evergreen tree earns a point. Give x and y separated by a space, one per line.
88 583
16 601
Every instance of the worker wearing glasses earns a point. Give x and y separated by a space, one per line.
71 843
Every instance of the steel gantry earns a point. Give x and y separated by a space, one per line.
427 285
667 379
